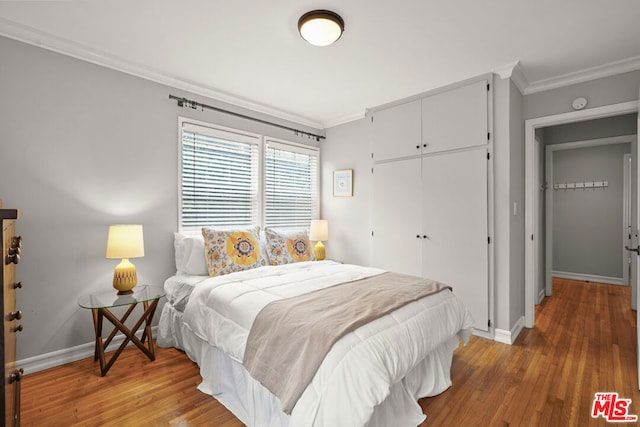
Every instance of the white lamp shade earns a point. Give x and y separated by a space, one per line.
319 230
125 241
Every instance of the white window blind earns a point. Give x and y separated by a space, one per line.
291 185
219 177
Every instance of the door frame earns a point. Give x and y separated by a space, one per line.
550 150
532 202
627 219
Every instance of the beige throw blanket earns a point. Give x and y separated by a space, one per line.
290 337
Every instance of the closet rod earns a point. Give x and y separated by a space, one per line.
184 102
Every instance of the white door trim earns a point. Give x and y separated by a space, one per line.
636 263
626 218
532 163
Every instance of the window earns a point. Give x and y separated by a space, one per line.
219 178
221 173
291 185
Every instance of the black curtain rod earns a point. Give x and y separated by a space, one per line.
188 103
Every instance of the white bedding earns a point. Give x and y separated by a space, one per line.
178 288
362 368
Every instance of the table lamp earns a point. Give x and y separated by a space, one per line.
319 232
125 241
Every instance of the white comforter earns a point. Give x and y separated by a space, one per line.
358 372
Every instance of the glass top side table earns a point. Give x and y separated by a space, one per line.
100 303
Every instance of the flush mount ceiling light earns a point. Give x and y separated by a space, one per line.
320 27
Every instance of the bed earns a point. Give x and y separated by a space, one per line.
372 376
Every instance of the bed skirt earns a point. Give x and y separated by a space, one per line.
229 382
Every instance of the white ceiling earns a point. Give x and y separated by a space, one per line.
250 53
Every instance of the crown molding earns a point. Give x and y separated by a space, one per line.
513 71
344 119
79 51
519 79
593 73
76 50
505 71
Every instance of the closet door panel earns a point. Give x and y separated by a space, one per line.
396 131
455 213
456 118
396 216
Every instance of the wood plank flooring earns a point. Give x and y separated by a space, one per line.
583 343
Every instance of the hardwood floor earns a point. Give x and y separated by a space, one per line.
583 343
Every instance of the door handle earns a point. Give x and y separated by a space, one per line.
636 250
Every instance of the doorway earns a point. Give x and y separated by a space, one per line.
534 274
587 203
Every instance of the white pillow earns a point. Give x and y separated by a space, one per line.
190 255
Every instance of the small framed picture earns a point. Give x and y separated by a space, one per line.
343 183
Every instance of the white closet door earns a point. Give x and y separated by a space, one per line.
396 216
454 208
396 132
455 119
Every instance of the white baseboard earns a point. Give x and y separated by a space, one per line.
68 355
541 296
509 337
588 277
483 334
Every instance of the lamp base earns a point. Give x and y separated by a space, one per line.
319 251
125 277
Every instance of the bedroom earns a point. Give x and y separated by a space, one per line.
93 146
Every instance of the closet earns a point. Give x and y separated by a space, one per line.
431 160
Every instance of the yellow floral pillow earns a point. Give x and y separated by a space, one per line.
285 247
228 251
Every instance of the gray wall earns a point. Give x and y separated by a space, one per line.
587 224
516 226
83 147
625 124
508 194
348 147
502 200
564 259
600 92
510 111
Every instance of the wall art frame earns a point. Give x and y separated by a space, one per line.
343 183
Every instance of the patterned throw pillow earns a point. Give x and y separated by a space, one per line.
228 251
285 247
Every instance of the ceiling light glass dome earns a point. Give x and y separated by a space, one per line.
321 27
